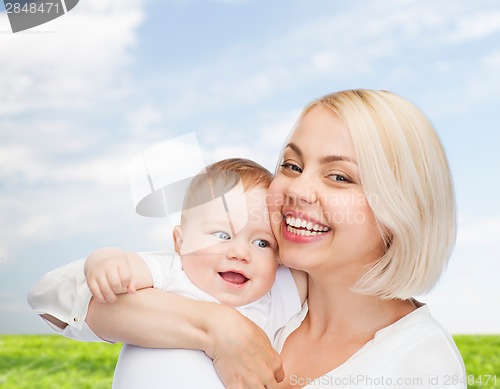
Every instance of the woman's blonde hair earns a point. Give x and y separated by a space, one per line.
407 181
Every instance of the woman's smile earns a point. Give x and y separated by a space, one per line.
300 227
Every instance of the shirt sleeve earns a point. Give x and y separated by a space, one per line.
63 293
285 299
161 264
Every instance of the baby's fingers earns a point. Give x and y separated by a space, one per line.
112 286
128 282
105 282
132 287
96 290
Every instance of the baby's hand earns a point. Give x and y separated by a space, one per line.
108 274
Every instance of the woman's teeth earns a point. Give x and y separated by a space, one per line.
299 226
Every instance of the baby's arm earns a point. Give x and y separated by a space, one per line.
111 271
300 279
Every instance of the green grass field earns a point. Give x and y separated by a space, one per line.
54 362
481 354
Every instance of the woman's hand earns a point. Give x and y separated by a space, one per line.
242 354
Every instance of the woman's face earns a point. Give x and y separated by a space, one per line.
319 213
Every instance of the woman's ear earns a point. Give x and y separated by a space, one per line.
177 236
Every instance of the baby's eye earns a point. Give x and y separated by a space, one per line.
222 235
261 243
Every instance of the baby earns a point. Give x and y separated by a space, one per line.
225 253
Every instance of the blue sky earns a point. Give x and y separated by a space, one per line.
82 95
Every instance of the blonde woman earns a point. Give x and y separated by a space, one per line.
363 203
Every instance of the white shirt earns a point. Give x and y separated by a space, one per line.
414 352
64 294
415 349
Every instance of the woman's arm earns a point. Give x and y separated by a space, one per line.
241 351
242 354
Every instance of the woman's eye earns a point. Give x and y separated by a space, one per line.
222 235
261 243
338 178
291 166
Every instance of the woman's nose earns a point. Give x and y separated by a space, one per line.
301 191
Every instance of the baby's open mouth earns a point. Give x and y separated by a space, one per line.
233 277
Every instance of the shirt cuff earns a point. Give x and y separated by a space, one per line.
81 305
83 334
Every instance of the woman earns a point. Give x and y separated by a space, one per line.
365 168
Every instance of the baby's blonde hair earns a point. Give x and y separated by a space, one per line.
219 177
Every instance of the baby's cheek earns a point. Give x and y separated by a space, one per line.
196 245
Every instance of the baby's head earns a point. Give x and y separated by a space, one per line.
225 239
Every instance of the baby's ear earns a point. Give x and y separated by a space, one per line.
177 236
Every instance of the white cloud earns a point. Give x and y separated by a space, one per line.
27 164
64 68
143 119
480 233
464 301
479 84
260 139
3 255
479 24
59 200
485 85
231 2
14 308
332 50
492 61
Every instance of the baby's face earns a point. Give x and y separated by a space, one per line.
228 249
